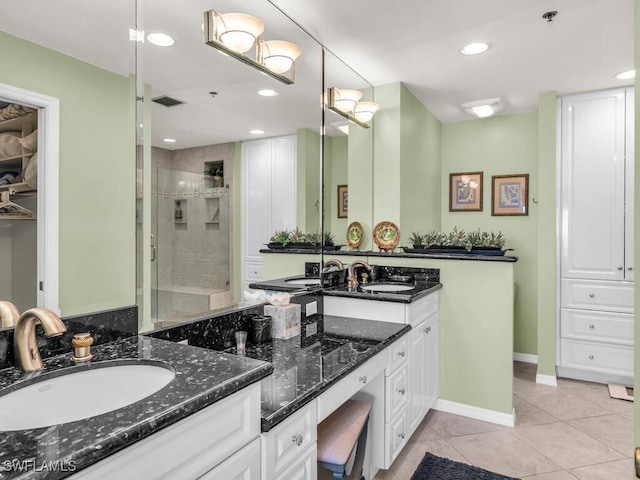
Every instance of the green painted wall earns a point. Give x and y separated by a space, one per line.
308 188
97 173
500 145
360 175
336 168
547 234
420 167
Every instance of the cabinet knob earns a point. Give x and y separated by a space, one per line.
620 268
401 354
590 357
592 326
591 295
401 391
363 379
630 268
427 330
401 435
298 439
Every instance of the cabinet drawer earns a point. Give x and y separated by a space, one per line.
396 393
243 465
397 355
421 309
282 446
349 385
395 437
594 295
305 468
597 326
608 358
253 271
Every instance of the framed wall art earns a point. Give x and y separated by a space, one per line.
465 192
343 201
510 194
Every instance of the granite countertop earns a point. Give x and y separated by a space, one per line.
202 378
285 284
306 367
417 290
401 254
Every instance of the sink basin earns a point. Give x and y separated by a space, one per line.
81 393
303 281
387 287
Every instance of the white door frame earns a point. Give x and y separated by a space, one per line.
48 171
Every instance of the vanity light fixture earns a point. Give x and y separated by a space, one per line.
474 48
483 108
626 75
346 102
238 35
169 140
160 39
267 92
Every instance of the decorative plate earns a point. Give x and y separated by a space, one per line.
386 235
354 235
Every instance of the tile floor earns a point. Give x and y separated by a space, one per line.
572 431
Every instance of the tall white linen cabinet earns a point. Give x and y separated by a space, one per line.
596 236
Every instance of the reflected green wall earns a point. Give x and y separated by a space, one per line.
97 172
501 145
335 173
308 187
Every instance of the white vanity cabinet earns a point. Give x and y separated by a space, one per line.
217 441
596 284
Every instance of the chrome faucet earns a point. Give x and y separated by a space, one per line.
25 347
333 262
351 275
8 314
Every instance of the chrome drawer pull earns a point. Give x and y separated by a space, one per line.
401 436
362 379
298 439
401 354
591 295
592 326
427 330
401 391
590 357
629 268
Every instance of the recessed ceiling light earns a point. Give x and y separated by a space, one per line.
257 132
626 75
483 108
160 39
169 140
474 48
267 92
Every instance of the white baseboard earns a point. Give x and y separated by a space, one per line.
492 416
525 357
547 380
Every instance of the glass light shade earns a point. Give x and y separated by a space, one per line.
364 111
346 99
626 75
238 31
279 55
483 111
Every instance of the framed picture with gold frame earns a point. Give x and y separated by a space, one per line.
465 192
343 201
510 194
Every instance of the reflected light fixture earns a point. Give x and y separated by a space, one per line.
169 140
483 108
626 75
267 92
238 35
160 39
239 31
364 111
346 102
257 131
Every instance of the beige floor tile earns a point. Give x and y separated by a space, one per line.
627 415
612 430
566 445
384 475
596 393
562 404
413 453
528 414
502 452
560 475
449 425
620 470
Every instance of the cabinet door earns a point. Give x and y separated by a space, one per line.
417 377
283 184
593 143
244 465
629 190
431 361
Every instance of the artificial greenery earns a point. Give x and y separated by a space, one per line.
458 238
286 237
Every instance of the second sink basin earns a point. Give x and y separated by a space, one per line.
303 281
81 393
387 287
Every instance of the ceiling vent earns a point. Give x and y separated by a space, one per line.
167 101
